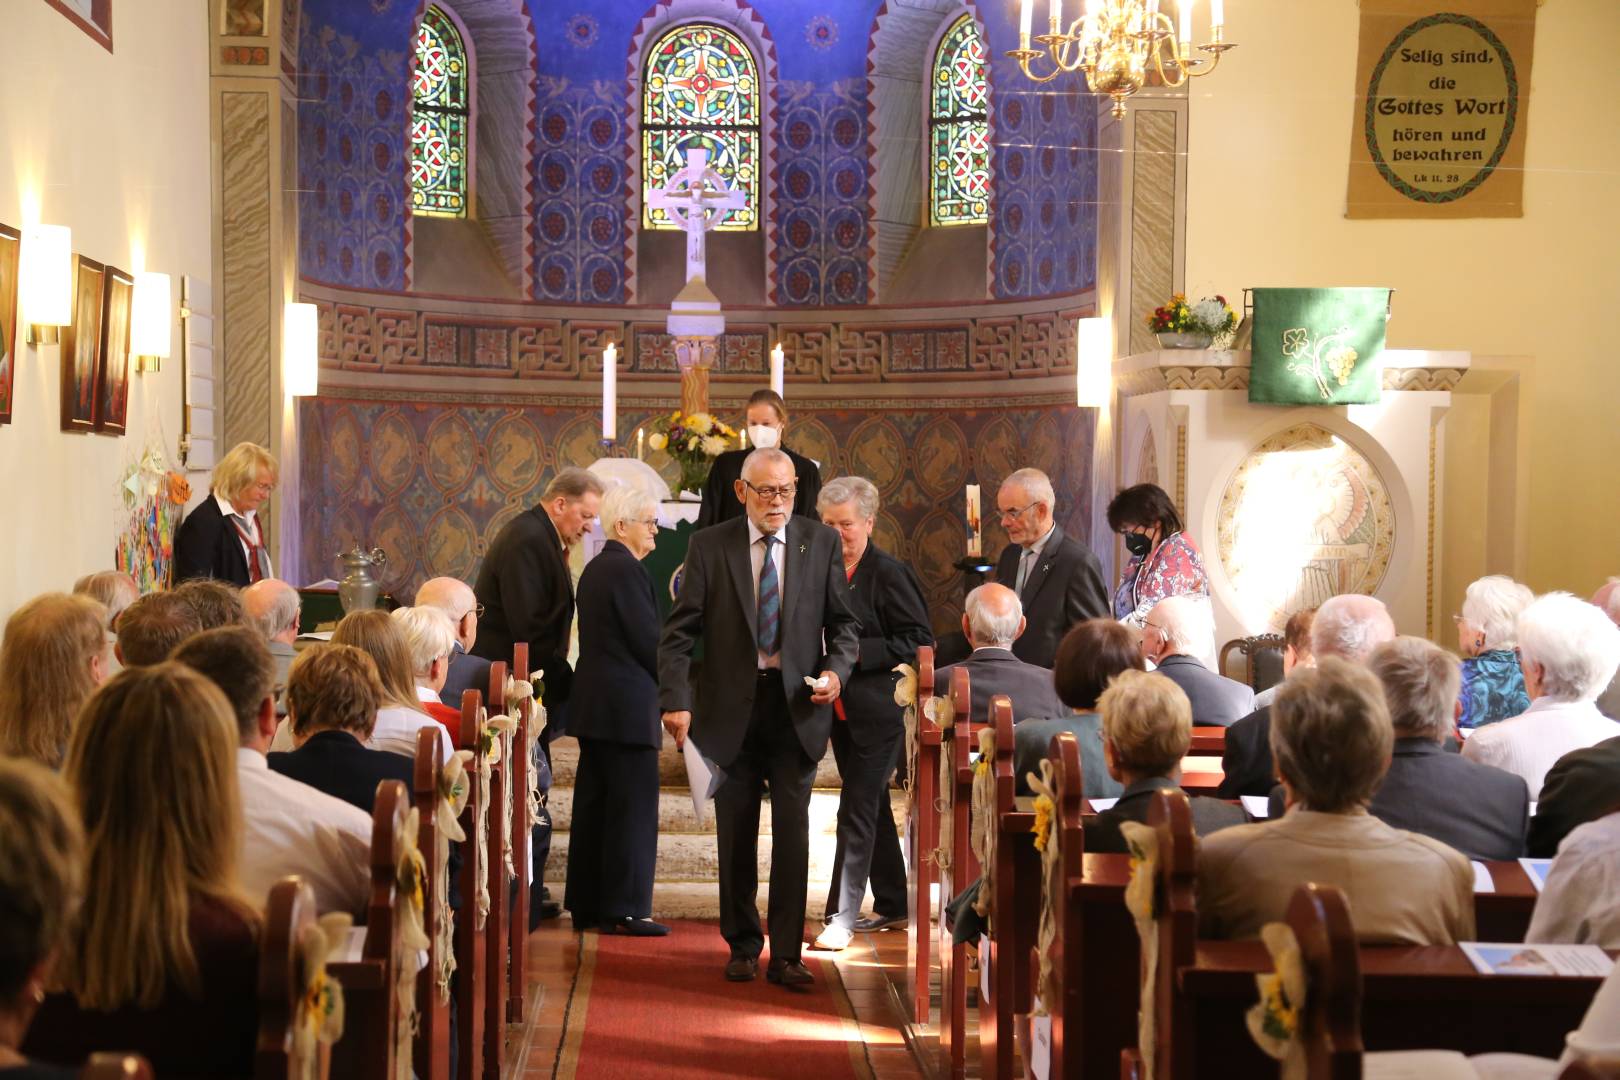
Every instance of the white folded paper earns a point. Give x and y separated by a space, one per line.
1099 805
1483 882
1258 806
702 776
1517 958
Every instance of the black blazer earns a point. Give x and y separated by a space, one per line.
1065 587
616 682
467 672
335 762
997 671
1103 834
885 597
1583 786
720 495
1247 759
1479 810
716 606
1215 698
528 595
206 546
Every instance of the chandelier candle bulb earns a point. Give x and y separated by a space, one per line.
1026 21
1186 25
777 361
610 392
1216 13
1055 14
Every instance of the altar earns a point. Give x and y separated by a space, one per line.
1290 505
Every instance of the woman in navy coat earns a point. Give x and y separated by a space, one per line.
613 711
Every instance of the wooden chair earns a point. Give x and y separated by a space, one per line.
116 1067
1262 659
959 870
922 836
431 1057
289 914
471 948
522 838
501 816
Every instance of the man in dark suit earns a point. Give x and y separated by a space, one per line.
761 593
766 423
1058 581
467 672
1582 787
885 597
1178 630
221 537
994 624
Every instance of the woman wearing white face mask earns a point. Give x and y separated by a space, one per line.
766 420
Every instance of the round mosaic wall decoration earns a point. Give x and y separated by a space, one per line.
1304 517
821 32
581 31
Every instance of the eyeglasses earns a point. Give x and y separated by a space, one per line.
773 494
1153 626
1009 515
651 523
476 609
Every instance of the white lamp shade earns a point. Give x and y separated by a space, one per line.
1094 361
45 273
300 350
152 316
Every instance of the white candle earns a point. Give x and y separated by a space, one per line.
1217 16
777 360
610 392
742 434
1026 20
641 442
1056 13
974 540
1186 20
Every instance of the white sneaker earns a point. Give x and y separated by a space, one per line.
833 939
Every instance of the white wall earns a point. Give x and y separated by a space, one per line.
114 145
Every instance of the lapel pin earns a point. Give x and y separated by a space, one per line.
801 549
1045 567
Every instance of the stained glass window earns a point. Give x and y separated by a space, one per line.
439 119
701 90
959 129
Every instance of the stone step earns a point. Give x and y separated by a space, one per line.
701 900
671 766
675 811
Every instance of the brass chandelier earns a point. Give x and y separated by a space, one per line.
1113 41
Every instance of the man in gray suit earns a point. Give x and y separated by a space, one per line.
993 621
762 593
1179 630
1058 580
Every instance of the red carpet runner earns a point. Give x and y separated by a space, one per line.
660 1007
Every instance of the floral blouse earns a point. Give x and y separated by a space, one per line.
1173 569
1492 688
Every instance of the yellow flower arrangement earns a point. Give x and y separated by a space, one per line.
1279 1015
1043 821
694 441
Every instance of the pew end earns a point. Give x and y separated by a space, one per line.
116 1067
290 914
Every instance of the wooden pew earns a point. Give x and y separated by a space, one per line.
522 828
289 915
1208 740
431 1056
959 870
496 932
471 948
922 836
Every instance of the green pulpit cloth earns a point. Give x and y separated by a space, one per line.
1318 346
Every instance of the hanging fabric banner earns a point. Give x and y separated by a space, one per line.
1442 104
1318 346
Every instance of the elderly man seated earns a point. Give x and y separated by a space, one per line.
1569 651
992 622
467 672
273 608
1179 630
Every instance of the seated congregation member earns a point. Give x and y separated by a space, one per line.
1347 627
1332 737
1057 579
1580 904
288 827
1479 810
221 536
614 838
216 603
113 590
993 622
868 727
467 672
1492 684
1607 598
1296 652
431 639
41 884
1089 658
765 421
332 693
273 608
1178 631
399 711
1569 651
1583 786
163 959
1164 560
152 626
52 658
1146 731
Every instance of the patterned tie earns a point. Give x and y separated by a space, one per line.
770 601
258 558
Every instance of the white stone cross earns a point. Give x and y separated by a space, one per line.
685 198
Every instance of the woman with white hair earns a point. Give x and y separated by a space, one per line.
221 538
1492 684
613 712
1568 650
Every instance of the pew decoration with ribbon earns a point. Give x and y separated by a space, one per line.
454 791
519 691
1274 1021
410 878
942 712
982 828
1049 842
905 696
505 725
490 730
320 1009
1143 842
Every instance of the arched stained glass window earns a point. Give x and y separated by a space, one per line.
701 90
959 129
439 119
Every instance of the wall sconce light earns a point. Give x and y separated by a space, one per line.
45 271
151 321
300 350
1094 360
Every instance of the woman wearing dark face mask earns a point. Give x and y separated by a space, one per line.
1164 560
765 422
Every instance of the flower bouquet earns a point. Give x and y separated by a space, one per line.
1180 325
694 441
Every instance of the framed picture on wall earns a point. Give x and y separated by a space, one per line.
10 247
112 363
81 342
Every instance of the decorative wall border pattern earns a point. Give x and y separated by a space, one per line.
1216 377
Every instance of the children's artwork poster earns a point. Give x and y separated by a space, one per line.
155 498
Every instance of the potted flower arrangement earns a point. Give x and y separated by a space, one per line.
694 440
1180 325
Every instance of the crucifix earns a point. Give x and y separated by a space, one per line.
687 198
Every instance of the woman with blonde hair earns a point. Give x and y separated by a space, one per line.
162 960
221 538
53 656
400 714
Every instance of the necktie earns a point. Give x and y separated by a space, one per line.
770 601
258 557
1025 561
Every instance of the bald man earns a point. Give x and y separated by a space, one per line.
467 672
273 608
993 621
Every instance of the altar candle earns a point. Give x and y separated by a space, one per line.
610 392
742 434
776 370
1026 21
1186 20
641 439
975 541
